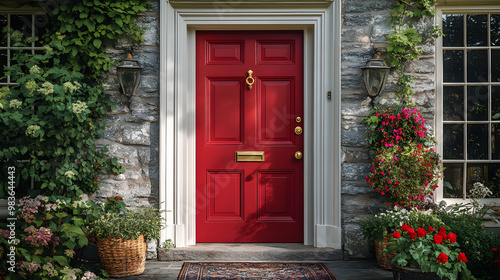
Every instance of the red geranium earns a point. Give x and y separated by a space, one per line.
438 239
430 229
421 232
442 232
452 237
443 258
461 257
411 233
406 227
396 234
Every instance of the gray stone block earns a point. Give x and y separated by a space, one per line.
358 19
136 134
355 245
355 171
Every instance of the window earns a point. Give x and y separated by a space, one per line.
470 102
30 25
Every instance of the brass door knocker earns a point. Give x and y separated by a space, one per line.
250 79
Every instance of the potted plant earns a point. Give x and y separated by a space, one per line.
425 253
405 166
122 238
378 229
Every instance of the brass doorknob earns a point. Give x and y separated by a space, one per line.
298 155
298 130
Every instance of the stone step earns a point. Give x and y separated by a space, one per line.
249 252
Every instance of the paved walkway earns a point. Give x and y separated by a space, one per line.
343 270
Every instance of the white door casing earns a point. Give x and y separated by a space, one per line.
320 21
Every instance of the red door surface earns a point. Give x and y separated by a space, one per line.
249 103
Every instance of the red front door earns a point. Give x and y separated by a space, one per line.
248 179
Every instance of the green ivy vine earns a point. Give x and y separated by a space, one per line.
404 42
53 116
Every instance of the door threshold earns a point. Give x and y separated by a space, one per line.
273 252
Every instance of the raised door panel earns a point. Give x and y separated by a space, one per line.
225 195
275 195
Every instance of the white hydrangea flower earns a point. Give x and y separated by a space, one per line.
47 49
47 88
30 131
71 87
35 69
79 107
31 85
70 174
14 103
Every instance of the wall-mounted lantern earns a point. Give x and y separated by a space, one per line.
129 75
375 75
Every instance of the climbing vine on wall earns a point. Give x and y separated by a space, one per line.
405 40
54 115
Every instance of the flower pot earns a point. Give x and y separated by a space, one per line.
122 258
383 259
411 273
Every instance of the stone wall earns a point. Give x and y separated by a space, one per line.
365 24
133 127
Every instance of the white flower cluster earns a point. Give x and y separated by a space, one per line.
47 49
31 130
47 88
70 174
79 107
35 69
71 86
14 103
398 215
31 85
479 190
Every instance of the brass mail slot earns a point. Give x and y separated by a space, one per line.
249 156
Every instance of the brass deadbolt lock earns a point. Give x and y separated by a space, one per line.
298 155
298 130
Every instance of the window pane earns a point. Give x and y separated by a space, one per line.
41 22
3 35
453 141
488 174
3 63
495 103
495 65
477 141
453 103
453 27
495 141
453 180
453 66
477 103
21 23
477 30
477 65
495 30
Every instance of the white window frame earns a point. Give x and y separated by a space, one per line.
457 7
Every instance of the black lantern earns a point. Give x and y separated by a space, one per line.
375 74
129 75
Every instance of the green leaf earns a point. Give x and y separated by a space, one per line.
97 43
83 241
63 261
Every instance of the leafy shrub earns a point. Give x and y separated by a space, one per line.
475 242
51 121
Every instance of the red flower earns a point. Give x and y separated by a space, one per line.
442 232
443 258
461 257
496 251
412 233
406 227
452 237
421 232
438 239
396 234
430 229
497 263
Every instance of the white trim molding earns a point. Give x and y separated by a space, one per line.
320 21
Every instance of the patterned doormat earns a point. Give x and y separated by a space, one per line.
224 270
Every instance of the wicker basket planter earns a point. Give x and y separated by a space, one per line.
122 258
384 260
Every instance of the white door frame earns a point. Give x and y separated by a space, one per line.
320 20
